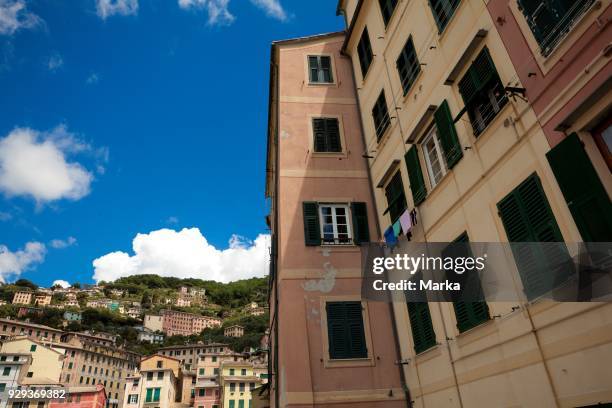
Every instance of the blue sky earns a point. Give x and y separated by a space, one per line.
129 117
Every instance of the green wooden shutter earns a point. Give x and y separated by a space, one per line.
333 135
448 135
527 217
361 230
345 330
584 193
156 393
149 395
423 333
232 403
312 228
415 175
478 74
318 127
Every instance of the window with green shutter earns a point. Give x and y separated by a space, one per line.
364 51
232 404
149 395
582 189
396 199
380 114
156 393
326 135
387 7
415 175
551 20
408 65
312 229
240 403
345 330
423 333
442 11
448 135
468 314
482 91
527 217
361 229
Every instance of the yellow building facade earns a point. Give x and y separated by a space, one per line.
430 148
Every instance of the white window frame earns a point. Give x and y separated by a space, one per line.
133 399
349 230
432 134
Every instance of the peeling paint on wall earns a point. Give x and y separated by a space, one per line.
325 284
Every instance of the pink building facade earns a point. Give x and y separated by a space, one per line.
207 392
82 397
561 51
328 346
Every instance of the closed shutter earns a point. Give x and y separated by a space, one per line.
480 72
582 189
149 396
333 135
364 50
345 330
361 231
468 314
423 333
232 404
312 228
326 135
448 135
156 393
415 174
318 126
408 65
527 217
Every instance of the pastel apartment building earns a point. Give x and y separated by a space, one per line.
44 363
190 355
153 322
82 397
233 331
489 120
237 381
155 385
181 323
329 347
22 298
42 299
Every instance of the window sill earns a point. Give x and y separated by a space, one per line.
492 125
340 155
349 362
484 329
432 352
321 84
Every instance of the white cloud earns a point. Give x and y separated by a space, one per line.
186 254
64 284
12 264
55 62
63 243
15 16
34 164
218 12
107 8
273 9
93 78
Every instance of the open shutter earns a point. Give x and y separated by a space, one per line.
361 231
415 174
477 75
584 193
420 323
312 228
527 217
448 135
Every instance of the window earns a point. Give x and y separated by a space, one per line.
251 386
133 399
152 394
2 387
201 392
149 376
30 374
326 135
319 68
582 189
243 371
214 359
33 347
215 371
67 378
469 305
335 227
240 403
232 387
380 114
527 217
329 224
160 375
433 157
442 11
387 7
551 20
6 371
364 51
345 330
408 65
232 404
482 92
160 364
423 333
201 371
396 199
241 387
70 366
